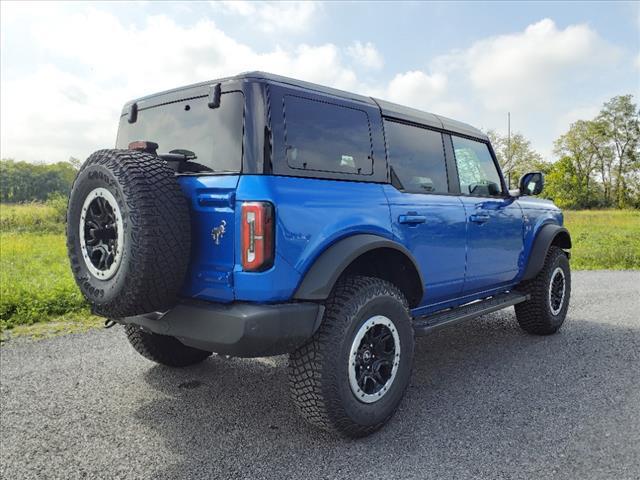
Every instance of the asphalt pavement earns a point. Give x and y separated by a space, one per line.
486 401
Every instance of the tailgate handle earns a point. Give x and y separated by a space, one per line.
216 199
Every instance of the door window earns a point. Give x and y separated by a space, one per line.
416 156
477 171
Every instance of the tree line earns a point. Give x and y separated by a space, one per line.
598 160
29 182
597 164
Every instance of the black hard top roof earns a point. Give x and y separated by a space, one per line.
388 109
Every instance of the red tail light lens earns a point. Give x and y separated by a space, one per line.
257 236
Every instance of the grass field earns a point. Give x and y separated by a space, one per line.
38 295
604 239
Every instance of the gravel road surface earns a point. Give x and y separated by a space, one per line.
485 401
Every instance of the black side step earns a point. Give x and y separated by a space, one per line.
438 320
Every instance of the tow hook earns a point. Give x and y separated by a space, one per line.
108 323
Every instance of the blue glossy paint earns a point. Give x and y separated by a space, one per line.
212 202
494 242
536 213
311 215
437 243
460 260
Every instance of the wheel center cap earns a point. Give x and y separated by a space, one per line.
366 355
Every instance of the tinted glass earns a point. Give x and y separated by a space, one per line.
416 157
326 137
476 169
213 134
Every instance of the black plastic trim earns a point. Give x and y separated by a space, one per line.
239 329
452 166
322 276
542 242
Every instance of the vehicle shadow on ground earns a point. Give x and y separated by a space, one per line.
485 399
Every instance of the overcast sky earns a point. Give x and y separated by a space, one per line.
67 69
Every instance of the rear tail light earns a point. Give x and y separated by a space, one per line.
257 236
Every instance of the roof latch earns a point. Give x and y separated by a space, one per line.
215 92
133 113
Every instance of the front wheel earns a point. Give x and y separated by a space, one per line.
550 292
352 374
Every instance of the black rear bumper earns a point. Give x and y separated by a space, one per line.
238 329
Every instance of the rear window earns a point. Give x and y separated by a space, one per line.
416 157
214 135
323 136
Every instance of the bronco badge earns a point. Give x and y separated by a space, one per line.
218 232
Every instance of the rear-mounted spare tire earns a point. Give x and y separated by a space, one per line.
128 233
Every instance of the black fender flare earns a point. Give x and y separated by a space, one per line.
319 280
546 236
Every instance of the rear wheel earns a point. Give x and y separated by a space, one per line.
351 376
163 349
550 292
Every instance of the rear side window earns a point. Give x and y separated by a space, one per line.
326 137
476 169
416 158
214 135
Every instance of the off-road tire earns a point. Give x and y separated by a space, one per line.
318 371
163 349
535 315
157 233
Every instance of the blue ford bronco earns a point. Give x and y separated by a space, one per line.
259 215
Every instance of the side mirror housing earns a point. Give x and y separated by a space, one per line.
531 183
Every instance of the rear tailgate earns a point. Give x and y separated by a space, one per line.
212 202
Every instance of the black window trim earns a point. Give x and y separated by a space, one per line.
349 174
504 190
451 176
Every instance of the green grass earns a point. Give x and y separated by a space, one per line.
38 296
604 239
35 279
73 322
33 217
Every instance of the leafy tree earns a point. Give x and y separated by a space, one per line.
516 157
599 162
26 182
574 146
620 121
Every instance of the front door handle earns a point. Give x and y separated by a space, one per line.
412 219
479 218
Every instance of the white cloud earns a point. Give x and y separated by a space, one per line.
416 88
67 71
365 54
270 17
528 68
53 112
420 90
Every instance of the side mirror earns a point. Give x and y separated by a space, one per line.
531 183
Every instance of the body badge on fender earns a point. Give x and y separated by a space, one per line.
218 232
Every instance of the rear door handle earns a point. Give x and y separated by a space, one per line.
412 219
479 218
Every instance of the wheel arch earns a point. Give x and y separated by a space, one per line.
547 236
363 254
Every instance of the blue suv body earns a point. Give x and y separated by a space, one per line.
297 191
